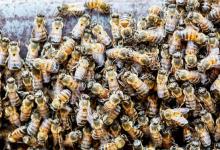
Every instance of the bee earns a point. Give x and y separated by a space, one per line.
165 61
187 134
185 75
98 5
195 144
34 124
177 62
48 51
65 113
128 106
168 139
4 45
153 18
143 122
37 79
117 143
172 18
44 129
190 54
84 110
215 85
68 9
142 24
204 24
136 83
41 102
176 116
110 116
217 130
114 100
115 129
56 131
56 32
17 134
39 31
205 97
97 89
115 28
153 35
26 108
213 44
27 80
72 62
129 127
12 92
176 92
61 99
68 81
203 135
81 69
155 134
176 147
119 53
78 30
65 49
208 121
72 137
175 43
30 141
168 2
14 59
13 115
190 98
205 6
101 35
33 50
137 145
214 14
152 105
192 5
86 139
208 62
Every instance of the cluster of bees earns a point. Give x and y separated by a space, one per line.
149 84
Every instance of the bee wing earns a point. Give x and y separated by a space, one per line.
180 120
181 110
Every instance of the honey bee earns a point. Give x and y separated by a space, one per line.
208 121
98 5
56 131
41 102
68 9
27 80
75 56
175 44
115 129
14 59
39 31
37 80
84 110
97 89
137 145
119 53
117 143
17 134
187 134
129 127
26 108
190 54
61 99
213 44
205 5
128 106
68 81
153 36
143 122
195 144
208 62
79 28
110 116
192 5
185 75
142 24
153 18
215 85
203 135
155 134
176 116
176 147
176 91
30 141
86 139
114 100
101 35
205 97
214 14
12 92
56 32
72 137
217 130
168 139
177 62
44 129
33 50
12 115
64 114
190 98
81 69
162 89
136 83
48 51
204 24
115 28
4 45
152 105
165 61
172 18
34 124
